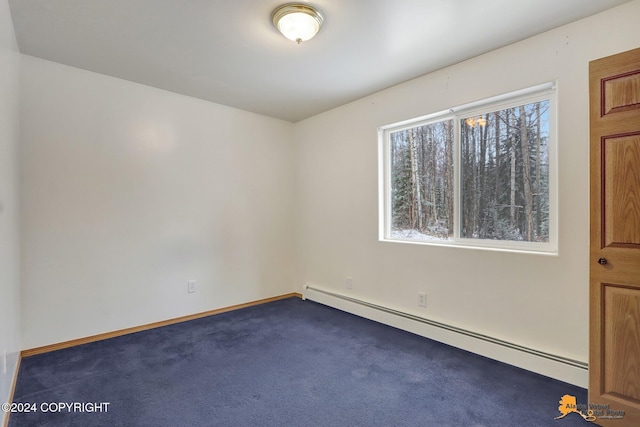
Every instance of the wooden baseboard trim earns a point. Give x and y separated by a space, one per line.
107 335
12 391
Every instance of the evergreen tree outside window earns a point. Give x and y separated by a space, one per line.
481 175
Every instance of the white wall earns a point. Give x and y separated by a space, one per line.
129 192
532 300
9 203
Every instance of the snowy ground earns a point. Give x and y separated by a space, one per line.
415 235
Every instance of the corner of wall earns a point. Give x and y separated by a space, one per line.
9 204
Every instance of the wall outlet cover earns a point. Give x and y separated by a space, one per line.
348 283
191 286
422 299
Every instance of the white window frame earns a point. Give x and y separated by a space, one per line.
541 92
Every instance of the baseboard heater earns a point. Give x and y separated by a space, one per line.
513 346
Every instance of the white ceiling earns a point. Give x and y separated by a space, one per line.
228 52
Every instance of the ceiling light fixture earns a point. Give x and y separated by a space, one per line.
297 22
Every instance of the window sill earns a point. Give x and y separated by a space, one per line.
529 249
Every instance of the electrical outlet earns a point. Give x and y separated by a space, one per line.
348 283
191 286
422 299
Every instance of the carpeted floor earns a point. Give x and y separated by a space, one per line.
285 363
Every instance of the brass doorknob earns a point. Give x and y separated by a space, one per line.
602 261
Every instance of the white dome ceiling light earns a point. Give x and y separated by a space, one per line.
297 22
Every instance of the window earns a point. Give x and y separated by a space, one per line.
479 175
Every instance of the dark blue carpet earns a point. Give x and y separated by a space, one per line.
286 363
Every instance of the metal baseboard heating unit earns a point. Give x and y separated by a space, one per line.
507 344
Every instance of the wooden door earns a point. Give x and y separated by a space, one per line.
614 359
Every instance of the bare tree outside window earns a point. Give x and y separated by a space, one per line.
505 174
422 182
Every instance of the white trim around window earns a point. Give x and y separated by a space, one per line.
544 243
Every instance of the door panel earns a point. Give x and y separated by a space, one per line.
621 190
621 338
621 92
614 331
